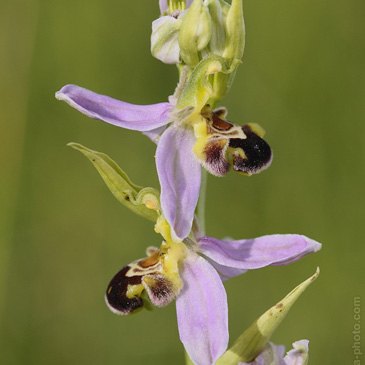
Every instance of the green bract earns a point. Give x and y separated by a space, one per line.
142 201
255 338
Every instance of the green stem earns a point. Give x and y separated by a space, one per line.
200 209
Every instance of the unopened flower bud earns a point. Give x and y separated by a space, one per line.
218 38
164 38
195 32
233 49
235 26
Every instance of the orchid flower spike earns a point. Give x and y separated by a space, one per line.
192 271
188 134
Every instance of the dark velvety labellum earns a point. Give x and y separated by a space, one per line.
229 144
257 151
116 293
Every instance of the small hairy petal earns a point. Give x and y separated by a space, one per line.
215 157
202 312
136 117
277 249
160 290
180 176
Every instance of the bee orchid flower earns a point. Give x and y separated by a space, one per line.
188 131
188 134
192 272
205 39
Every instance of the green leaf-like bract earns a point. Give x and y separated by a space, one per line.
254 339
132 196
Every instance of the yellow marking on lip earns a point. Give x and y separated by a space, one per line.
257 129
149 281
201 135
110 289
134 291
243 173
199 148
137 270
240 133
238 152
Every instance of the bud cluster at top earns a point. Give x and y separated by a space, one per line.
189 31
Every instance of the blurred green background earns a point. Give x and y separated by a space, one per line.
63 235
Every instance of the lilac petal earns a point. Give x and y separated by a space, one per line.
202 312
259 252
163 6
180 175
298 355
154 134
226 272
116 112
